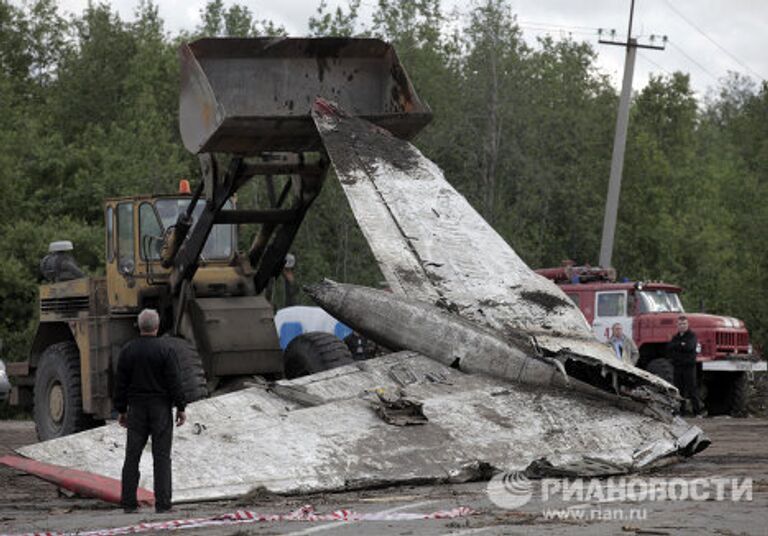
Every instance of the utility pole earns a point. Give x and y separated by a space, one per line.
619 140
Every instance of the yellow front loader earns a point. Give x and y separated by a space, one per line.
245 111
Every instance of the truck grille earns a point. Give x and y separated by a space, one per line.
729 341
64 305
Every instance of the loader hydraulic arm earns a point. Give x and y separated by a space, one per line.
280 224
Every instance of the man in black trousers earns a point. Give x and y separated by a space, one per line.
682 351
148 384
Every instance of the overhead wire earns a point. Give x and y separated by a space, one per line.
649 60
711 40
533 23
546 29
550 28
699 65
643 56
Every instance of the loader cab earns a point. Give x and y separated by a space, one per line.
155 218
135 228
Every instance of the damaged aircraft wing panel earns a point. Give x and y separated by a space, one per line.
403 273
443 243
259 438
593 348
433 246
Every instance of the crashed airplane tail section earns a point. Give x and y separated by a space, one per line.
399 323
328 432
432 246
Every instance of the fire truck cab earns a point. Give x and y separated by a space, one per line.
648 313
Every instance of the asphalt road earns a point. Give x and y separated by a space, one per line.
685 499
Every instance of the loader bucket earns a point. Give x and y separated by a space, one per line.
246 96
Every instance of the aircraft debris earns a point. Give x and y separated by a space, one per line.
475 424
499 368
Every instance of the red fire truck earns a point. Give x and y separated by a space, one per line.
648 312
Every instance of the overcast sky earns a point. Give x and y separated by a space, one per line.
707 38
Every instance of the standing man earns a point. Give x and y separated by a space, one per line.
148 383
682 351
624 347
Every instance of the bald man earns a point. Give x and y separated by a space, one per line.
148 385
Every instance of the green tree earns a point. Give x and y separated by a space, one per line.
88 109
89 90
339 23
235 21
737 145
655 221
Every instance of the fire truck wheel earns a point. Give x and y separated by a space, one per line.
314 352
663 368
738 395
58 408
190 367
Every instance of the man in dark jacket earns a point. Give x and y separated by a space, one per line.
148 383
682 351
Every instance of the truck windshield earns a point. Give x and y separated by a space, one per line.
221 241
660 301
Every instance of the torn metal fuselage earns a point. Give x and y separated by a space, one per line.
323 433
400 323
434 248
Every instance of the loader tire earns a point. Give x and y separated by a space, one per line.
663 368
193 381
314 352
58 399
738 395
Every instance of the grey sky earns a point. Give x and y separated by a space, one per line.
737 26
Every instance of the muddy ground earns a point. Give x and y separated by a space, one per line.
739 450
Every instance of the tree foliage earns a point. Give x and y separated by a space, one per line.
88 109
235 21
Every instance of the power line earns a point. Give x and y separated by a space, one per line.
699 65
649 60
545 29
540 27
530 22
534 25
718 45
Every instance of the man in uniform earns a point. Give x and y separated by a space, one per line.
148 384
682 351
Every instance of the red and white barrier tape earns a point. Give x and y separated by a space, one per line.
305 513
